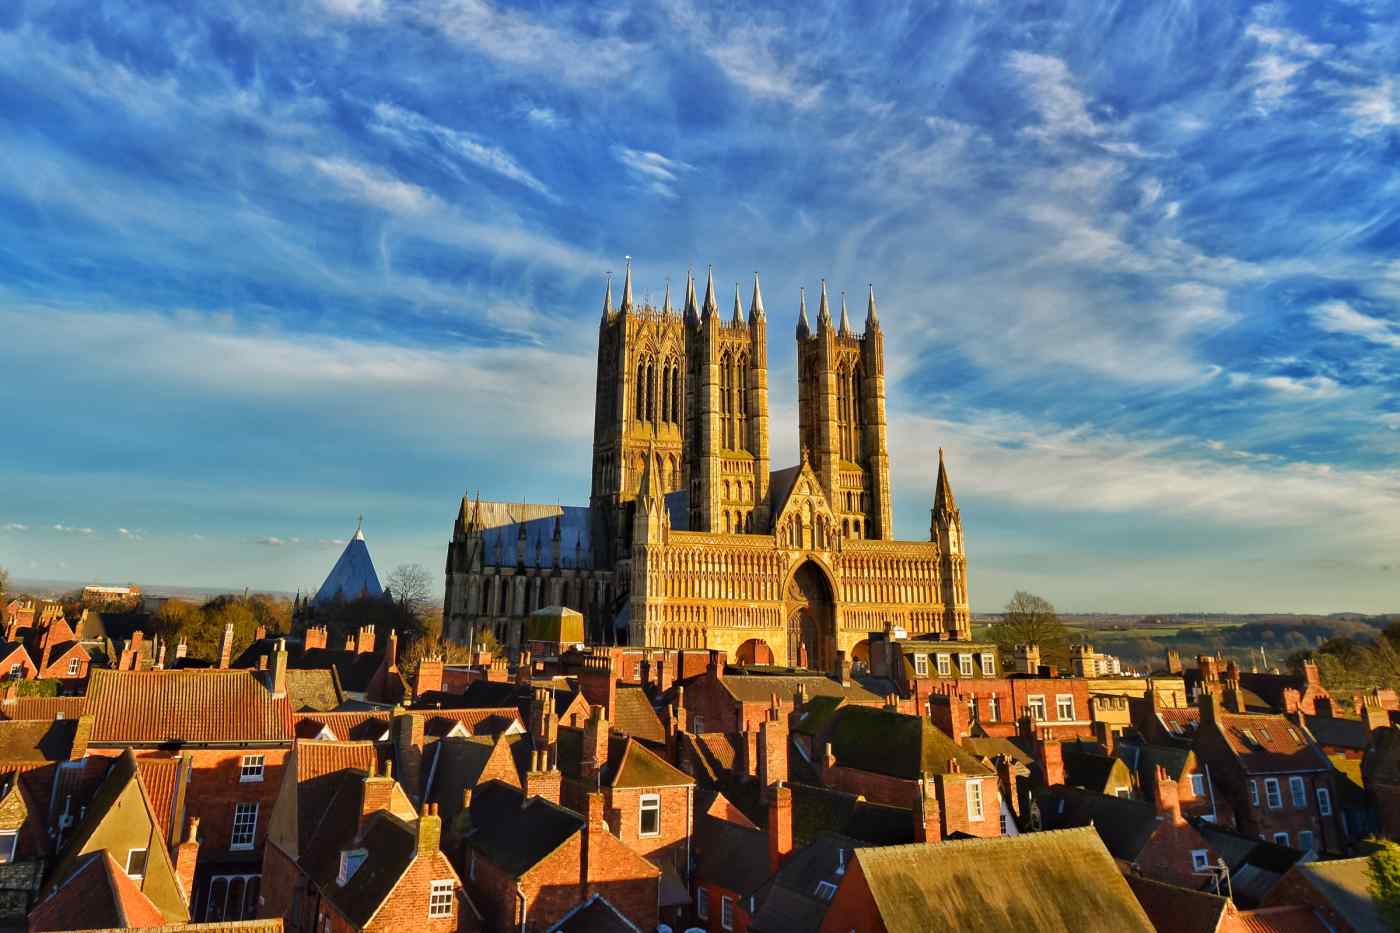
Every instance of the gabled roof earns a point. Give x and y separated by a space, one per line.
1125 824
594 915
629 764
96 894
1181 722
1037 881
165 780
1344 884
1178 910
1339 732
192 707
463 763
1268 743
313 690
757 685
886 742
353 669
391 847
1091 770
819 809
789 900
359 725
634 715
44 708
352 577
515 834
729 855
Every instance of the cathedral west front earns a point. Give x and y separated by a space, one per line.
690 538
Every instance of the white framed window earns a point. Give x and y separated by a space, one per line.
649 814
1254 793
1200 859
74 665
920 665
8 841
250 769
1305 840
697 724
245 826
1064 706
989 665
1271 790
1122 790
826 890
702 903
965 665
233 897
1298 791
974 800
440 899
1324 801
945 666
726 913
16 671
993 710
1281 838
135 864
1037 707
1249 738
1198 784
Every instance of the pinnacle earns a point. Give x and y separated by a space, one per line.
692 310
756 312
872 321
666 298
738 308
804 329
627 288
607 298
823 310
710 308
845 318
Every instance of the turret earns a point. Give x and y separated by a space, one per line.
756 312
823 312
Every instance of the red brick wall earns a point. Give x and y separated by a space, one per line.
624 818
714 897
406 908
877 788
1167 855
952 801
852 908
281 878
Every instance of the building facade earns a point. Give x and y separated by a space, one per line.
690 538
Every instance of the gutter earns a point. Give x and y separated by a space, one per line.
520 893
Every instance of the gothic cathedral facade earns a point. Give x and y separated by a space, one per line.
690 538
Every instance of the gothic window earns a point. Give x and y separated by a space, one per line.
641 391
651 392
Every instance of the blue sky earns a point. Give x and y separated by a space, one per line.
267 266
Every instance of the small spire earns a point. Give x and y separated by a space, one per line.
710 309
738 308
627 288
756 312
943 502
692 309
651 484
558 529
823 311
804 329
872 321
845 318
360 529
666 297
607 299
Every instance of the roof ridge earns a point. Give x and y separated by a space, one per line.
1020 837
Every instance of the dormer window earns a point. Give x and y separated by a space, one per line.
136 864
350 862
920 665
965 665
945 666
826 890
1250 739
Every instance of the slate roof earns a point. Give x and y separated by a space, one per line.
634 715
1145 759
729 855
1178 910
515 834
1269 687
194 707
391 846
1345 885
1339 732
97 893
988 747
353 669
460 763
594 915
754 685
1038 881
1255 864
789 900
819 809
502 530
1268 743
885 742
1126 825
352 576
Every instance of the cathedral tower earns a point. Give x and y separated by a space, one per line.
841 415
945 528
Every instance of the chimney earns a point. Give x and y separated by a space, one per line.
1210 671
716 664
429 830
1168 797
543 780
81 736
1027 658
350 643
1291 701
314 637
186 856
1006 778
949 712
779 826
364 640
279 669
843 668
525 670
408 750
376 793
772 748
1233 696
1322 706
126 660
1373 714
928 822
226 648
1310 674
261 633
160 657
1104 734
429 677
181 649
1174 661
593 851
262 663
597 680
1206 703
595 742
1051 758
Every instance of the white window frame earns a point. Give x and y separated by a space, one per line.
440 898
1281 839
1254 793
945 665
993 708
1123 790
965 668
697 723
74 665
145 854
648 802
826 891
16 671
1273 793
1198 784
989 664
1200 859
1298 790
976 809
702 903
1036 704
241 815
1061 701
726 913
920 665
217 910
1324 801
9 842
251 768
1305 840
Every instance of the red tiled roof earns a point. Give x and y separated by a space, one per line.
1280 920
197 706
45 708
351 726
161 777
317 759
491 720
1269 743
98 894
1180 721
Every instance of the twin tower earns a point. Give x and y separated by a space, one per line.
690 391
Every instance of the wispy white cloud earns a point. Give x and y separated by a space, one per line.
755 57
1063 108
1282 55
1302 387
1338 317
14 526
375 186
70 529
269 541
416 133
652 170
1375 108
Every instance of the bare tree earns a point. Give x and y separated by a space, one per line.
408 584
1031 619
4 581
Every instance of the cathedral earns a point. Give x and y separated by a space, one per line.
690 538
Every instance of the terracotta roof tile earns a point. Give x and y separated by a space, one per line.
1266 743
163 778
199 706
634 715
46 708
317 759
347 727
97 894
1280 920
479 721
1182 721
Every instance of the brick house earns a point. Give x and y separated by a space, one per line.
732 699
1380 771
1339 890
1272 775
58 654
1194 789
1038 881
235 728
527 862
15 662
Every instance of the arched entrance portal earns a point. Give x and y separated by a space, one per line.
754 651
811 613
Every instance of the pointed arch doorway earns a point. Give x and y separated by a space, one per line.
811 614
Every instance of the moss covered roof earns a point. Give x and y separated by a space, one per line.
886 742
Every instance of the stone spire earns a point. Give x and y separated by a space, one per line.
845 318
710 308
666 298
943 503
607 299
651 485
756 312
804 329
738 308
823 312
872 321
627 288
692 310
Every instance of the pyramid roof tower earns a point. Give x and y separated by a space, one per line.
353 575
